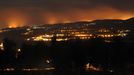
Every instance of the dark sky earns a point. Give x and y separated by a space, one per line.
19 12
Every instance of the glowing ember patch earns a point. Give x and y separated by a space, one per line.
12 25
90 67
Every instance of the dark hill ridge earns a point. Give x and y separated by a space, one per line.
130 19
108 20
102 22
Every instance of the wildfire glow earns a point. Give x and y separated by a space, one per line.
12 25
18 17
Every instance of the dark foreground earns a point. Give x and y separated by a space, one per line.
89 57
65 73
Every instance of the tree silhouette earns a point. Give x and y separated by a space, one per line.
9 52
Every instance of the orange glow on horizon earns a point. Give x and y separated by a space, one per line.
16 18
13 25
75 15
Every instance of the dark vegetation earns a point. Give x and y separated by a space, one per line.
70 54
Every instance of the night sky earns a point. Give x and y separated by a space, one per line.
20 12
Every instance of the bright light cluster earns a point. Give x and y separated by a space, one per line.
1 46
42 38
